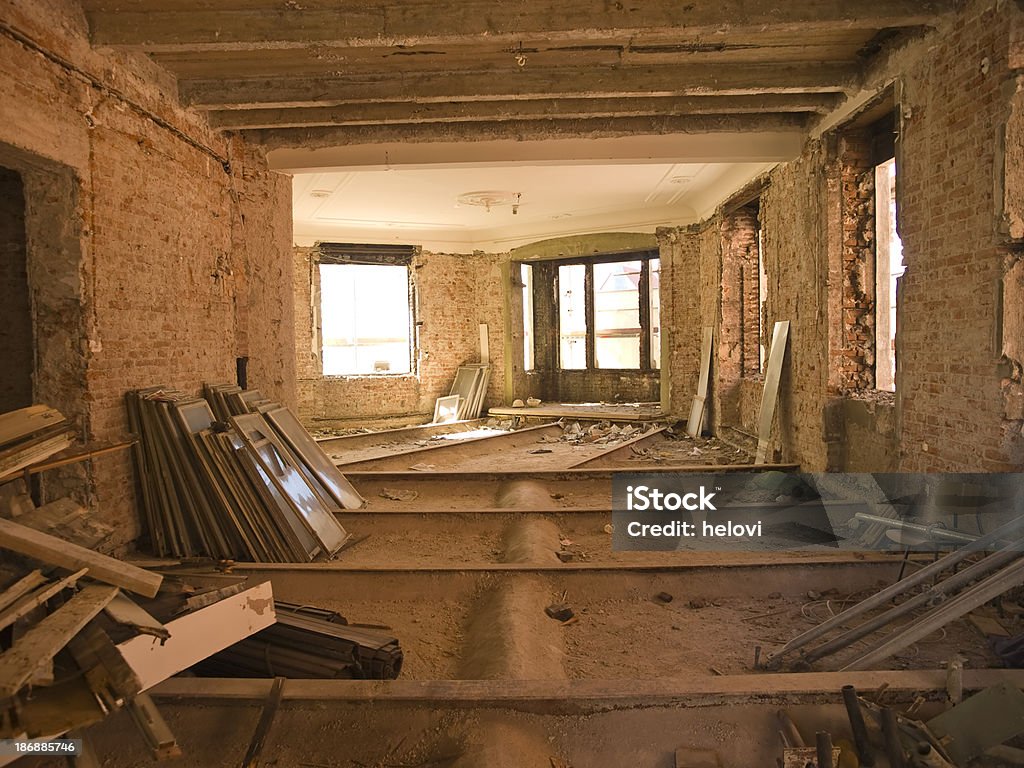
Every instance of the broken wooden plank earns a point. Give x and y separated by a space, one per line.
49 549
20 588
49 636
108 675
199 634
125 611
16 458
29 602
65 519
14 425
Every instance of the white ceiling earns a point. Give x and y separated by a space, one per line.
419 205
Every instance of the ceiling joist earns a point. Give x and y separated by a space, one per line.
177 25
535 109
618 82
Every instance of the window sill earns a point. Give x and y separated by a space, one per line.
370 377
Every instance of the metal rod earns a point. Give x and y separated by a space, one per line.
933 531
891 733
901 586
823 744
992 587
865 752
934 593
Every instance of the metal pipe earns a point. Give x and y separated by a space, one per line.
934 593
901 586
823 744
933 531
865 752
989 589
891 733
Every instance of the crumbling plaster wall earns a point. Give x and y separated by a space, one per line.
454 294
150 262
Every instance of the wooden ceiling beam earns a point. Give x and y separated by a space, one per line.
175 25
532 130
609 82
537 109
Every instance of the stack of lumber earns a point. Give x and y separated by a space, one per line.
309 643
75 646
470 385
245 486
30 435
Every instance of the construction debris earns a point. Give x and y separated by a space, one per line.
237 485
30 435
310 643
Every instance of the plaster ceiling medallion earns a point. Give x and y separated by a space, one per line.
490 198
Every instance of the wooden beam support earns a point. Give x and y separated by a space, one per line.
49 549
530 130
556 696
413 113
169 25
467 86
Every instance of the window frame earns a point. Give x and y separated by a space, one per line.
643 297
345 254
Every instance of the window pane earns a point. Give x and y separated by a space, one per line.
617 314
572 316
654 268
526 273
888 268
365 319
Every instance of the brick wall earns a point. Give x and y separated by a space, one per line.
455 293
15 309
959 377
149 262
681 297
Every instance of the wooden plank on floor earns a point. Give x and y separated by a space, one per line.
49 549
20 588
571 694
49 636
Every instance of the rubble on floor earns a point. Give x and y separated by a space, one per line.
76 647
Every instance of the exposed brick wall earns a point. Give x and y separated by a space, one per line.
455 293
681 296
856 355
955 103
155 265
15 309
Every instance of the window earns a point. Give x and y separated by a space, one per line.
608 312
888 269
654 289
365 319
762 294
572 316
526 277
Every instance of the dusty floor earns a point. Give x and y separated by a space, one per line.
462 567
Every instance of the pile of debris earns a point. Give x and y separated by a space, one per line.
234 476
76 647
601 433
30 435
